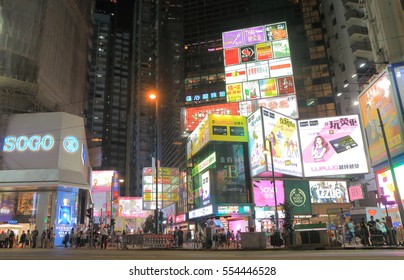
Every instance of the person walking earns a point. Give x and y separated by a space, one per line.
28 240
23 239
351 231
43 239
11 237
180 236
104 237
34 236
365 232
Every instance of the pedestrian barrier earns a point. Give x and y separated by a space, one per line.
147 240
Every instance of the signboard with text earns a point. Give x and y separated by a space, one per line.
332 146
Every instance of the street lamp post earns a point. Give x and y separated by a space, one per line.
266 152
397 196
153 96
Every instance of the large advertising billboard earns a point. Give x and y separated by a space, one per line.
332 146
264 193
328 192
257 63
101 187
168 187
386 185
286 105
281 133
130 207
194 116
380 95
217 128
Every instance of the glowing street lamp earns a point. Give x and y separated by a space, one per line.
153 96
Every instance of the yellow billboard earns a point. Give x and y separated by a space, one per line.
217 128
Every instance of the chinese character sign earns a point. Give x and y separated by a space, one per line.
332 146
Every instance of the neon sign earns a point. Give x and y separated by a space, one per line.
33 143
36 143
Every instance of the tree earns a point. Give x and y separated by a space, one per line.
148 225
288 222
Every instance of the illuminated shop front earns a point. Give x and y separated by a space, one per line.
218 152
44 172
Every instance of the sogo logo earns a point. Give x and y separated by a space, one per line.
33 143
36 143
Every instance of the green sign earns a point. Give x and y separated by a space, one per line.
298 194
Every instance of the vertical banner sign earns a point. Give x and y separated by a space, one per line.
256 143
298 194
65 216
230 185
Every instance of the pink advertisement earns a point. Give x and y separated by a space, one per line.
332 146
130 207
264 194
232 39
355 192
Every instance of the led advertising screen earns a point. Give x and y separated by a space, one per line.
101 180
380 95
130 207
264 67
168 186
332 146
264 194
66 216
328 192
386 185
281 132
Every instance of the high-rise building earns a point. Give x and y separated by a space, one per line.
43 55
205 21
107 106
362 38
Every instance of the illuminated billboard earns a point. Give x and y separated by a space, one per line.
193 116
332 146
380 95
130 207
168 187
281 132
265 127
328 192
286 105
386 185
257 63
264 194
217 128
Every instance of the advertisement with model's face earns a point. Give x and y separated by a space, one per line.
65 215
332 146
130 207
328 192
282 143
380 96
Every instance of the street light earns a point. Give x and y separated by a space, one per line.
268 150
153 96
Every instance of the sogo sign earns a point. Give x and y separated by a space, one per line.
37 143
